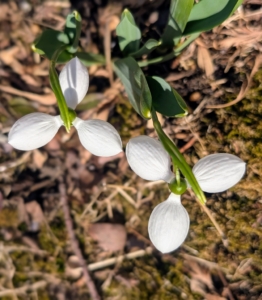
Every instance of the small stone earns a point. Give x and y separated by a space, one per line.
196 96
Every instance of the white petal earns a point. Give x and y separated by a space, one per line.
218 172
74 81
148 159
168 224
33 131
98 137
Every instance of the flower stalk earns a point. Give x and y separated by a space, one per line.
66 116
178 159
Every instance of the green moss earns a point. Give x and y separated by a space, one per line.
9 217
46 241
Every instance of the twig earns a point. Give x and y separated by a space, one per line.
213 220
126 196
188 145
107 44
111 261
75 246
24 289
128 188
12 164
39 252
47 99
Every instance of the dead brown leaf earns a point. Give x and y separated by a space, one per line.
36 216
110 237
39 158
204 61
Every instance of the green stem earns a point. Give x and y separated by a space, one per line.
170 55
177 176
178 158
55 84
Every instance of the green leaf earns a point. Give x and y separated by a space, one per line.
206 8
135 85
147 48
128 33
49 41
208 14
73 30
178 16
90 59
165 99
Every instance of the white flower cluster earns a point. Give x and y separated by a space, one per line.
37 129
169 222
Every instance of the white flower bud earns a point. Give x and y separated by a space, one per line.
168 224
148 159
218 172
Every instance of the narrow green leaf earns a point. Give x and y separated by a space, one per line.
147 48
165 99
178 16
178 159
73 30
133 79
210 14
128 33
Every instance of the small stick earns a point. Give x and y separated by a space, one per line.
213 220
126 196
12 164
75 246
208 212
22 290
128 188
47 99
111 261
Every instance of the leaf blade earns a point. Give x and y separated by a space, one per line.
165 99
133 79
211 21
179 13
128 33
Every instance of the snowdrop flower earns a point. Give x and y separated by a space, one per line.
169 222
37 129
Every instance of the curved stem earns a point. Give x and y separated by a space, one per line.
170 55
55 84
178 158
